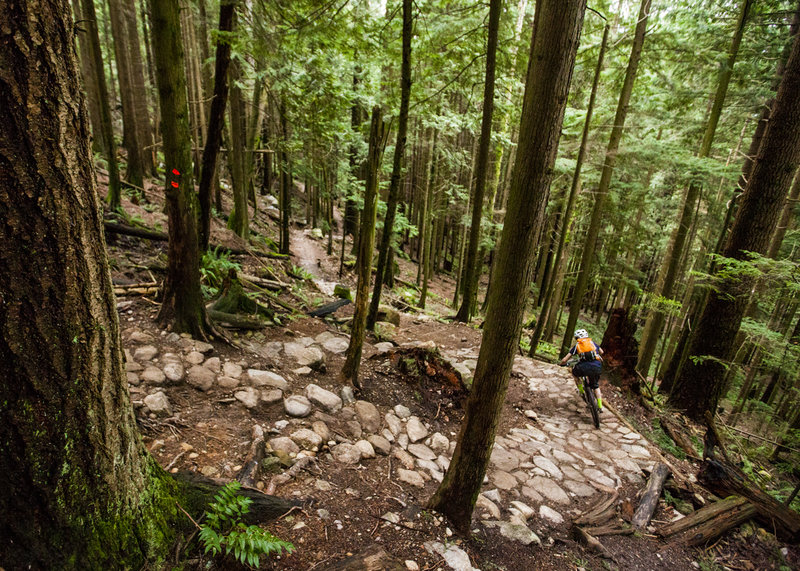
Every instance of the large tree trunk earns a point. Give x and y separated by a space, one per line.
365 246
655 322
598 212
397 166
216 119
77 487
700 384
239 220
473 266
182 308
556 30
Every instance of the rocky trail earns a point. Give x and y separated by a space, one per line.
375 458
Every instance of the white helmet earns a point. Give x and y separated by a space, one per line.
581 333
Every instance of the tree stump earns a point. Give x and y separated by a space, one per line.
620 351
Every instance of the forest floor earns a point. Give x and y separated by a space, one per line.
377 456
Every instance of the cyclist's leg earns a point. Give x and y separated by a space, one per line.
577 375
594 382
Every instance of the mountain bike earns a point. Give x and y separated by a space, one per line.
588 394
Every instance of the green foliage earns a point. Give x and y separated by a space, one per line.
663 441
224 532
214 266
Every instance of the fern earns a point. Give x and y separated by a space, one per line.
214 266
224 532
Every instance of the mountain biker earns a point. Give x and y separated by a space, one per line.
589 365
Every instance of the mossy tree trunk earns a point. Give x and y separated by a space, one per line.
556 30
365 247
77 487
182 308
397 167
700 385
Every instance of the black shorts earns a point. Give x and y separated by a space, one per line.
589 369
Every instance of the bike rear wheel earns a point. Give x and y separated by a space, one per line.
592 402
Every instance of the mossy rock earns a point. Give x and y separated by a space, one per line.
389 315
385 331
342 292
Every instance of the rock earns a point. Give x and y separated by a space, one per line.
248 396
323 398
402 411
323 485
443 462
515 532
380 444
368 416
308 356
391 517
426 345
141 337
421 451
281 424
228 382
550 514
411 565
367 451
133 378
503 459
524 509
306 341
415 429
384 347
307 439
402 441
384 331
549 489
322 429
346 453
132 366
302 371
195 358
232 370
347 394
271 396
579 488
158 403
389 315
212 364
200 378
404 457
548 466
439 443
174 372
394 424
387 434
336 345
260 378
504 480
297 406
284 444
153 375
410 477
203 347
465 372
353 429
455 557
486 504
145 353
342 292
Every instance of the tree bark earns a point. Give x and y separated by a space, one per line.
590 243
182 308
77 486
472 268
365 246
216 119
556 30
397 165
700 384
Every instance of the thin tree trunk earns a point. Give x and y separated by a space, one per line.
605 178
286 181
397 166
473 266
556 30
216 120
365 247
239 220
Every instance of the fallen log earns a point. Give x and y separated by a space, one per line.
271 285
146 234
249 472
724 480
649 501
609 530
145 290
328 308
591 542
374 558
234 321
679 437
600 512
701 516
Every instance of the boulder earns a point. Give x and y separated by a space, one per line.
153 375
145 353
232 370
174 371
380 444
323 398
367 451
415 429
260 378
346 453
411 477
368 416
158 404
388 315
305 356
200 378
297 406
